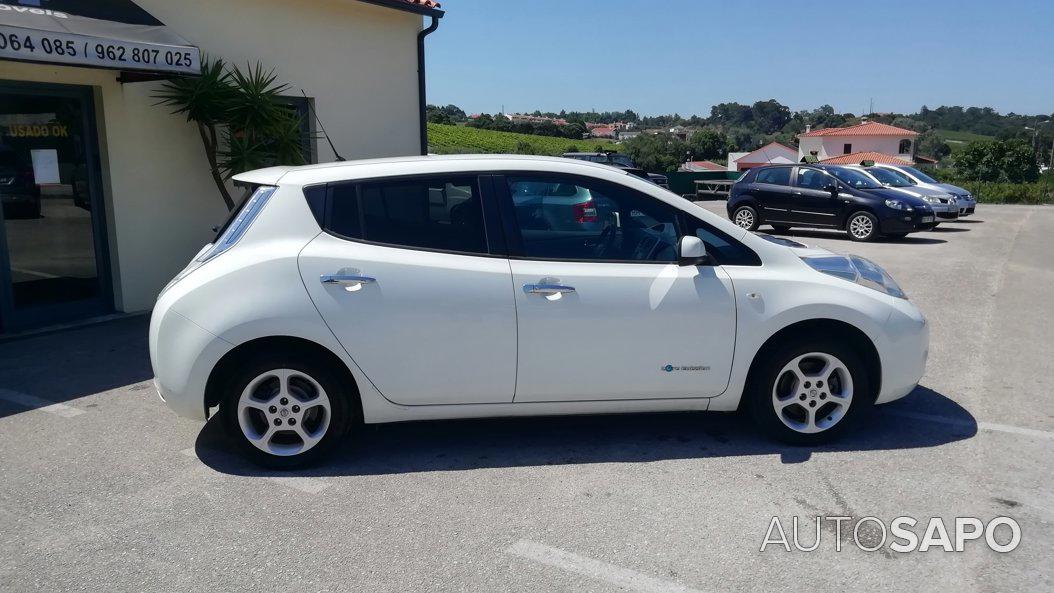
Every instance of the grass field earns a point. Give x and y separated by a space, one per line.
958 140
443 139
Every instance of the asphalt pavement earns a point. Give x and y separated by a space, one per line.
103 488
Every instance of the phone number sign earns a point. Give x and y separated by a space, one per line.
32 45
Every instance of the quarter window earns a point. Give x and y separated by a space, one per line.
591 220
776 176
441 214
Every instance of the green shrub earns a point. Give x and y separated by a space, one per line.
1009 193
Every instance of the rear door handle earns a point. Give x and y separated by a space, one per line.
547 289
346 279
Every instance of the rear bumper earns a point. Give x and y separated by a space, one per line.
182 355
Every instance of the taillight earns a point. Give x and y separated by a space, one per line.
585 211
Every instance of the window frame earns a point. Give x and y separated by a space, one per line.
493 236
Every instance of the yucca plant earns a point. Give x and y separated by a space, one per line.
240 116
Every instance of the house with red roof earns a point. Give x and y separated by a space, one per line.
701 166
868 141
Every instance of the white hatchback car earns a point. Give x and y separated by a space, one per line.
426 288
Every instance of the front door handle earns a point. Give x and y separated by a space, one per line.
346 279
547 289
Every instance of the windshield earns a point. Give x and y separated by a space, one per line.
890 177
854 179
920 175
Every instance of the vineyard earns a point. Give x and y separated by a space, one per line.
443 139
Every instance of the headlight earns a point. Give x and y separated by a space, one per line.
928 199
856 269
899 205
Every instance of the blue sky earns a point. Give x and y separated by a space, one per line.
665 56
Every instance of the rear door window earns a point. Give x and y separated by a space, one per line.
444 214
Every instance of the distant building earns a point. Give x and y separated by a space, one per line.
701 166
602 132
626 134
872 141
772 153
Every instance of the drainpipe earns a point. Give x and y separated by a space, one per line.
421 81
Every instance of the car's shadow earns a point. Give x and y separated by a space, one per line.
944 228
967 221
821 234
923 419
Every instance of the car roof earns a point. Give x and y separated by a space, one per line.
409 165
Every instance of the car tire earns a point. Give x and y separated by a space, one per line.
779 228
811 406
862 226
746 217
296 407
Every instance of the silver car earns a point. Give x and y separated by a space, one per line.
945 205
967 203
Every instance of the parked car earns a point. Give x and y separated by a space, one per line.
412 289
621 161
825 196
967 203
19 193
945 205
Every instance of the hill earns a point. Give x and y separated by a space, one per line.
445 139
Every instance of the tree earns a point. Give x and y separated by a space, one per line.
708 144
770 116
931 144
656 152
1005 161
241 119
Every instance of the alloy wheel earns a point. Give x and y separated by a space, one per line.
812 392
284 412
861 226
744 218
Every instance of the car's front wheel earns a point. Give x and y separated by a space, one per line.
862 226
808 392
286 411
746 217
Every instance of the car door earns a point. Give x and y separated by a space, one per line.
813 202
405 278
610 315
773 185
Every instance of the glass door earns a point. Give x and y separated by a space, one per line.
52 252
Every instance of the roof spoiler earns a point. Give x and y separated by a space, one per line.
268 176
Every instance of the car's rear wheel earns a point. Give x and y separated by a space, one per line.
286 411
746 217
808 392
862 226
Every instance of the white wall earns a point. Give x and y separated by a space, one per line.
832 146
358 62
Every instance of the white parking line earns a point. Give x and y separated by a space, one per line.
306 485
1030 432
595 569
42 405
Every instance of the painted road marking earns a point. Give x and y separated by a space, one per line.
42 405
1030 432
595 569
306 485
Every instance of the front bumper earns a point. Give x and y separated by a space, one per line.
898 221
905 348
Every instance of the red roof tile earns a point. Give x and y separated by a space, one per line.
871 128
858 157
708 165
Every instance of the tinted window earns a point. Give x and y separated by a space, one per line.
853 178
778 176
813 179
432 214
586 220
724 249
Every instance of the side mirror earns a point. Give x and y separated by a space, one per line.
692 252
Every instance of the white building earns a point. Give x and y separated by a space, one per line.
868 141
772 153
122 189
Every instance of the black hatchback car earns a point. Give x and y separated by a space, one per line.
825 196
